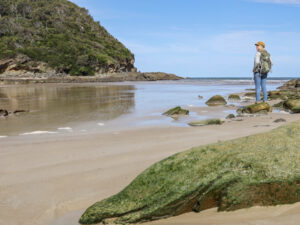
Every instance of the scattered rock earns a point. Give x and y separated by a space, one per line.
176 111
3 112
230 116
200 97
216 100
292 105
234 97
20 111
280 120
206 122
255 108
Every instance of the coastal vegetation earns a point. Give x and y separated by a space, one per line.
59 35
261 169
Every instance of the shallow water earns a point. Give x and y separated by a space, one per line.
56 108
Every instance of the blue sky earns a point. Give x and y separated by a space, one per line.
203 38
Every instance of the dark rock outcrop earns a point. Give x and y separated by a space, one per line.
3 112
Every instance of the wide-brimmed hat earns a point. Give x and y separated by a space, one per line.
261 44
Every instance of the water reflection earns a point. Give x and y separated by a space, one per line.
54 105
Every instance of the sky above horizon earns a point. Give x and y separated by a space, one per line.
201 38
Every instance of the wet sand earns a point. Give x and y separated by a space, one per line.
51 179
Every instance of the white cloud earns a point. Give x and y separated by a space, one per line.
287 2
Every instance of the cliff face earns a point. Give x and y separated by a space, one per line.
57 35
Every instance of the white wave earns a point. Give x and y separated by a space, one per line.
101 124
3 136
39 132
65 128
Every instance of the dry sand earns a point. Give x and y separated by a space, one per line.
52 179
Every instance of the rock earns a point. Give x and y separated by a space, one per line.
234 97
216 100
275 94
250 94
206 122
176 111
292 105
255 108
20 111
289 85
3 112
257 170
230 116
297 83
200 97
279 120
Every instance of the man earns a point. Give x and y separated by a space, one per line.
262 66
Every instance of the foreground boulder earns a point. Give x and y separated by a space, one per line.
176 112
261 169
255 108
206 122
216 100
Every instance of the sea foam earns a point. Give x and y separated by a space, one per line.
39 132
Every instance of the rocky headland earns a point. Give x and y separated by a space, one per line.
57 41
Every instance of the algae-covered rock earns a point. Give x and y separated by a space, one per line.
293 105
250 94
176 111
216 100
255 108
206 122
277 94
230 116
261 169
234 97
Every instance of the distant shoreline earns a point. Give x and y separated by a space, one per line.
29 78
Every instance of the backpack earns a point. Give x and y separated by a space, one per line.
265 62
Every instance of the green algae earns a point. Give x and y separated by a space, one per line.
206 122
176 111
261 169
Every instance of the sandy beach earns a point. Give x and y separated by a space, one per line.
51 179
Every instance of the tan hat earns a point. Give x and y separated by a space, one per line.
261 44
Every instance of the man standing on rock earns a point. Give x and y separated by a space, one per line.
262 66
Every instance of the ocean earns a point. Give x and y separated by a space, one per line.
97 107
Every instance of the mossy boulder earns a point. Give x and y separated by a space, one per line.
176 112
293 105
230 116
277 94
216 100
256 108
261 169
206 122
234 97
